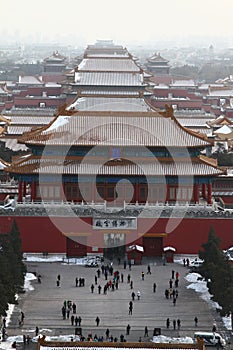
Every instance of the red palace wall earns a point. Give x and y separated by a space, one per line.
38 234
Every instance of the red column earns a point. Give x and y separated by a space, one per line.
136 192
20 191
24 188
209 195
63 196
33 190
167 193
93 189
196 193
204 191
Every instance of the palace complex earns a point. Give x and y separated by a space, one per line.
110 170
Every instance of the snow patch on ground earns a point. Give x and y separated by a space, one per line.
164 339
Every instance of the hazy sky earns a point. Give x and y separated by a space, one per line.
123 21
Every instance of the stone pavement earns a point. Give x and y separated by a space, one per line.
42 306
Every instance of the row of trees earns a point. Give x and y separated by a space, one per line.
12 268
218 272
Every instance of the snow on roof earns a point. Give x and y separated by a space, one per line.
169 248
29 79
136 247
60 121
223 130
2 165
183 83
223 93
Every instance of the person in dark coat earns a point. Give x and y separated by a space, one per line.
107 333
178 323
146 334
168 323
92 288
174 324
154 287
97 320
74 308
72 320
128 329
37 331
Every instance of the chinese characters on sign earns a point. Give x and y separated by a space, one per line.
120 224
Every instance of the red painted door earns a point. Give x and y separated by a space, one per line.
76 248
153 246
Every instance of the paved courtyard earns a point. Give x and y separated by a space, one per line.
42 306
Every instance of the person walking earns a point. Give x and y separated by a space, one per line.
154 287
92 288
122 278
138 294
39 278
76 282
178 323
133 296
22 317
128 329
195 321
37 331
72 320
174 301
143 275
174 324
148 270
107 333
168 323
131 284
99 288
74 308
130 308
173 274
146 334
97 320
4 322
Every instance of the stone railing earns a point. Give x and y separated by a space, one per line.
147 210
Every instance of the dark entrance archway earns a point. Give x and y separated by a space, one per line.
114 246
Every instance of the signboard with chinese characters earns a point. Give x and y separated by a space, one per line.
117 224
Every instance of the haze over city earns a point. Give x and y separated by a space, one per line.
76 22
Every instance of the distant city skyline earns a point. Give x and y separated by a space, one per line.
181 22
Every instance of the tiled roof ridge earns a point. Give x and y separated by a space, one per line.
210 161
169 113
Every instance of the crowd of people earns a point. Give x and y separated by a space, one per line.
107 279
